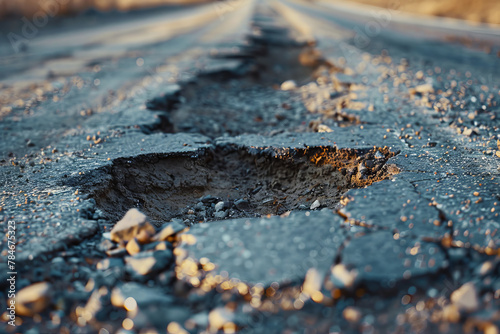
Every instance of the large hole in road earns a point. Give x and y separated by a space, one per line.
231 182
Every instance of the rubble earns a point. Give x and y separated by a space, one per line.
131 225
33 299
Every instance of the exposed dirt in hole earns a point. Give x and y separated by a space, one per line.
249 185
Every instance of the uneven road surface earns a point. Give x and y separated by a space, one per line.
250 166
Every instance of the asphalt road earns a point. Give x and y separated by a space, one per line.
304 168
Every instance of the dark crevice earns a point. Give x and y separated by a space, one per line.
248 98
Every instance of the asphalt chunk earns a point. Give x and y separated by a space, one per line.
260 251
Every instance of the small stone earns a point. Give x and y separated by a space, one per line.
147 263
468 132
221 214
133 223
486 268
242 204
33 299
451 313
475 193
422 89
343 278
256 190
465 298
280 115
208 199
351 314
117 252
144 237
288 85
392 169
491 329
219 317
316 204
219 206
94 308
312 282
133 247
379 155
171 229
164 245
369 163
362 171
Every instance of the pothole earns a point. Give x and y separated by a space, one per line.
228 182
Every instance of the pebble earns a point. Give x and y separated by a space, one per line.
451 313
422 89
342 278
369 163
117 252
146 263
133 223
256 190
221 214
312 282
316 204
351 314
288 85
242 204
362 171
33 299
133 247
465 298
144 237
219 206
219 317
208 199
379 155
171 229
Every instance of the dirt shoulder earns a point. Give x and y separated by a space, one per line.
481 11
